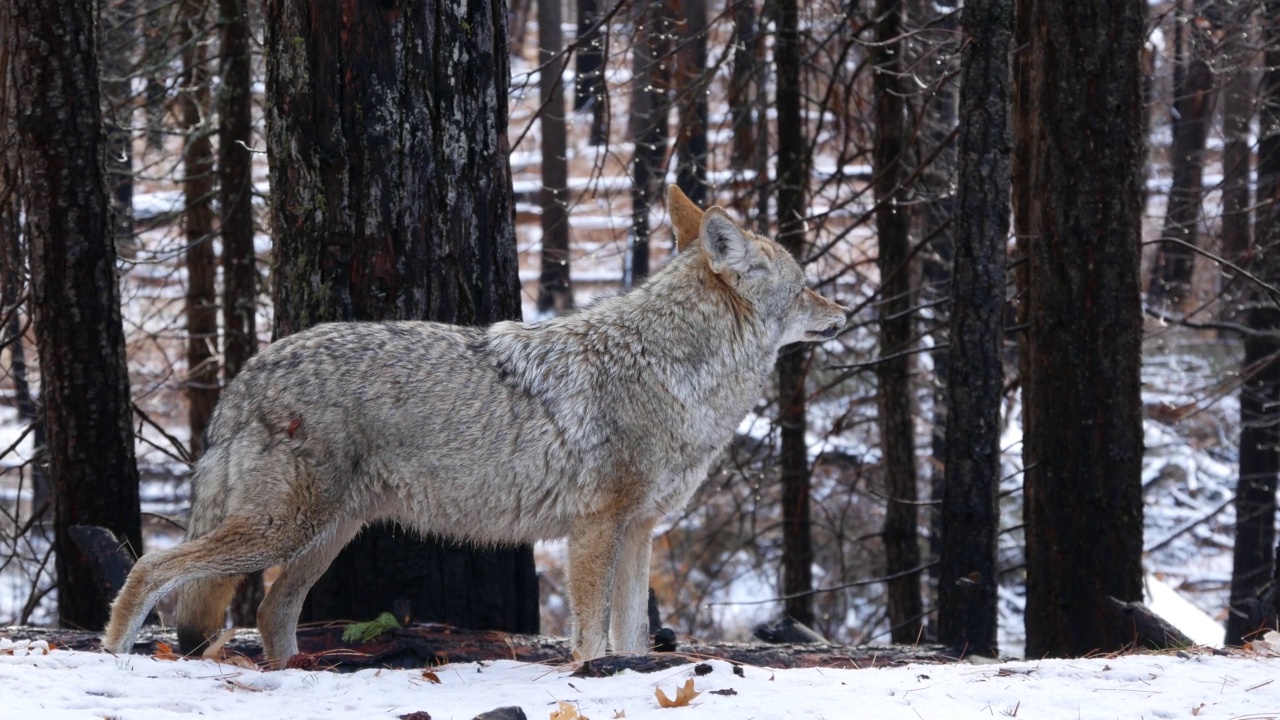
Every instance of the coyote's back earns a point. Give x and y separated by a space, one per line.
589 426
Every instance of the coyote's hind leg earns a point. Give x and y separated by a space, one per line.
240 544
278 613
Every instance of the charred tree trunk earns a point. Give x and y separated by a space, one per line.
592 50
554 290
893 372
648 129
1193 93
197 190
235 191
1255 501
1081 346
14 282
691 142
75 295
793 176
365 230
967 616
1237 152
119 37
742 87
934 58
157 30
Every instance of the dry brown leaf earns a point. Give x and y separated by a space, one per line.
566 711
430 677
164 652
684 695
1196 710
619 714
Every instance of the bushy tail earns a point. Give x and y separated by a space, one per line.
202 603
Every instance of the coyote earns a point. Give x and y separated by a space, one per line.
590 426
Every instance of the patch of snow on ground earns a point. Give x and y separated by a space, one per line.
70 684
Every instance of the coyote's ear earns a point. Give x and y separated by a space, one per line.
725 244
686 218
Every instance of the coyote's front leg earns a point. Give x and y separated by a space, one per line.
594 544
629 624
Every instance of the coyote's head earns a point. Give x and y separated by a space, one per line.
756 269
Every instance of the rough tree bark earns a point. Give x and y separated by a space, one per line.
197 190
742 84
119 25
75 295
934 61
1237 112
967 584
691 84
793 176
554 290
235 191
589 77
649 108
1255 502
370 109
1192 111
14 282
1080 349
893 371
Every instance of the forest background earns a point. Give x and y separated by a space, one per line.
1060 383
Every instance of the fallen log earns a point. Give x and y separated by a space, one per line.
426 645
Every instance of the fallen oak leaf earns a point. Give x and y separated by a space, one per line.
431 677
684 695
164 652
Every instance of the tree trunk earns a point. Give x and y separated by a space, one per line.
1255 500
648 129
157 28
1237 153
361 129
14 282
1171 276
518 24
1081 347
793 175
691 140
75 296
893 372
934 56
119 38
197 189
592 50
554 290
742 84
235 191
967 616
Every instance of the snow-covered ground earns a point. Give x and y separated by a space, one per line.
70 684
